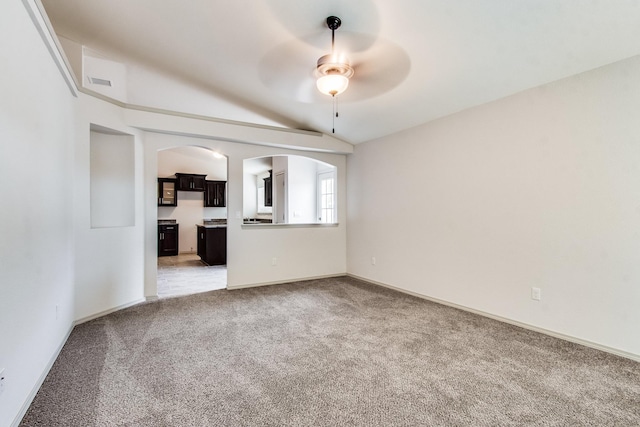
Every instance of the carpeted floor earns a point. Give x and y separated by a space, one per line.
331 352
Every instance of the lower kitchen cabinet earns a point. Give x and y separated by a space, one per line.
167 239
212 245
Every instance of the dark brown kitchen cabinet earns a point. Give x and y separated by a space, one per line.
214 194
212 245
190 182
167 194
268 190
168 240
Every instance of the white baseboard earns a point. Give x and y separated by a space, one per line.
586 343
38 384
279 282
109 311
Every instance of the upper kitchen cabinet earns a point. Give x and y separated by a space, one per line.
268 190
167 195
214 195
190 182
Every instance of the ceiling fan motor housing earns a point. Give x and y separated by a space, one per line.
329 64
333 22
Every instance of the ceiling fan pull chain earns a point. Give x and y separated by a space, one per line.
334 115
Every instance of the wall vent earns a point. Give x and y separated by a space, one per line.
98 81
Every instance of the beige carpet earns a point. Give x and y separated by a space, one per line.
332 352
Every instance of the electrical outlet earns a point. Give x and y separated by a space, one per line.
274 261
2 380
536 294
373 260
57 311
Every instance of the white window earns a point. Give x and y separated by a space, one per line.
327 197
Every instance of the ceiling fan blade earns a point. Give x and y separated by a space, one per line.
378 70
350 42
288 70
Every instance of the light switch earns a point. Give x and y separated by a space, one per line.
536 294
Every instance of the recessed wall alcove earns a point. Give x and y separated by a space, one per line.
112 178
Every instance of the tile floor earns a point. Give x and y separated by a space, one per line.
185 274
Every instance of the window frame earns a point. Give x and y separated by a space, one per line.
325 176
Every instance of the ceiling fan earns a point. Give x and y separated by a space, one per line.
365 63
333 70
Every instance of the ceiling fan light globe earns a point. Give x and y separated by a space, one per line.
332 84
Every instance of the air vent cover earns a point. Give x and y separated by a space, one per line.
98 81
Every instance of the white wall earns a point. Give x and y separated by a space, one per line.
37 114
73 53
539 189
262 211
253 199
302 252
55 268
303 195
112 176
190 210
95 65
191 160
109 271
250 199
140 85
280 189
147 87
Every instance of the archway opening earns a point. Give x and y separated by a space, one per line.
192 220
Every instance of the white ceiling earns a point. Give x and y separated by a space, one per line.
443 56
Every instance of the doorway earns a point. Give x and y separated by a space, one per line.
185 274
198 202
279 199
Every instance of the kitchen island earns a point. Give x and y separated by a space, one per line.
212 242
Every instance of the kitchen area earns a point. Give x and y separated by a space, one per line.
192 221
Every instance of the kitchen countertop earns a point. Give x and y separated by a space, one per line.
212 225
256 221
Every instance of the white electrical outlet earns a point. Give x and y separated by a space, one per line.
536 294
373 260
274 261
238 214
57 311
2 380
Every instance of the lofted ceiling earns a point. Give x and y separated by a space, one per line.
414 60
